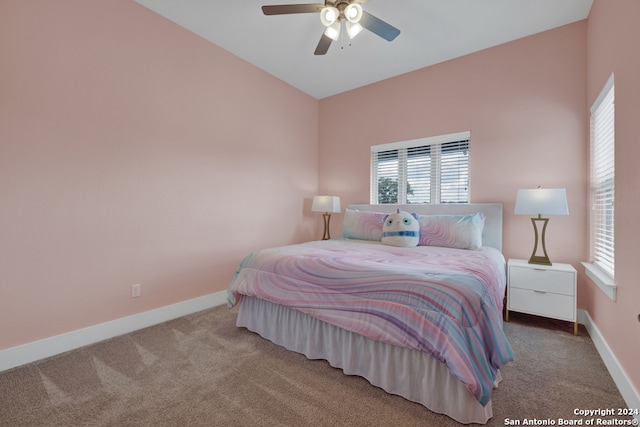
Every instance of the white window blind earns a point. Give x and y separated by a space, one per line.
429 170
602 179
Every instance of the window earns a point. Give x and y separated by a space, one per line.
602 186
429 170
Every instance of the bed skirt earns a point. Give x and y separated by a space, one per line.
412 374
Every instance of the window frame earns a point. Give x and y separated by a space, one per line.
432 145
601 266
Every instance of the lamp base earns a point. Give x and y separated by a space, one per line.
327 219
540 259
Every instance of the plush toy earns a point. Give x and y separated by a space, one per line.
401 229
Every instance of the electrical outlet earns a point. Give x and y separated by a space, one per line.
135 290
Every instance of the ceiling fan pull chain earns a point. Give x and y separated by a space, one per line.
342 38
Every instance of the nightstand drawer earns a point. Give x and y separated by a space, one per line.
556 282
542 304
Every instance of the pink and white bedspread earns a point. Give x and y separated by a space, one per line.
445 302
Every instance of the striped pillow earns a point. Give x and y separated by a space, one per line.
362 225
452 231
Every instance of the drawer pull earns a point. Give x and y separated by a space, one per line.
539 292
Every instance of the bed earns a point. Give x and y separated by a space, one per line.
422 322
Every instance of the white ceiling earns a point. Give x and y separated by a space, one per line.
432 31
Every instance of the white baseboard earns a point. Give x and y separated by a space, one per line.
30 352
625 386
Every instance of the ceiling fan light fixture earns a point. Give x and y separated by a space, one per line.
332 14
353 29
353 13
333 31
329 16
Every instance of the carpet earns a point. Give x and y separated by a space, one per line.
201 370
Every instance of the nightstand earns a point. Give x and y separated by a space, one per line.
542 290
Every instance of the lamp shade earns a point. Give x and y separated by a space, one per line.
542 201
353 29
329 15
353 13
333 31
326 204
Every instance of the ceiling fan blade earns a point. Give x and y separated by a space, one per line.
284 9
323 45
378 26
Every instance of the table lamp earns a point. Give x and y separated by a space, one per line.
541 201
328 205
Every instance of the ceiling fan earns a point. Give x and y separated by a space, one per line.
332 14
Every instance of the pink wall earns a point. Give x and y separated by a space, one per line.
612 44
133 151
524 103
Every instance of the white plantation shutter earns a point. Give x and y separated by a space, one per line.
419 168
428 170
387 173
602 179
454 174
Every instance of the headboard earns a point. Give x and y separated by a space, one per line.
491 234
